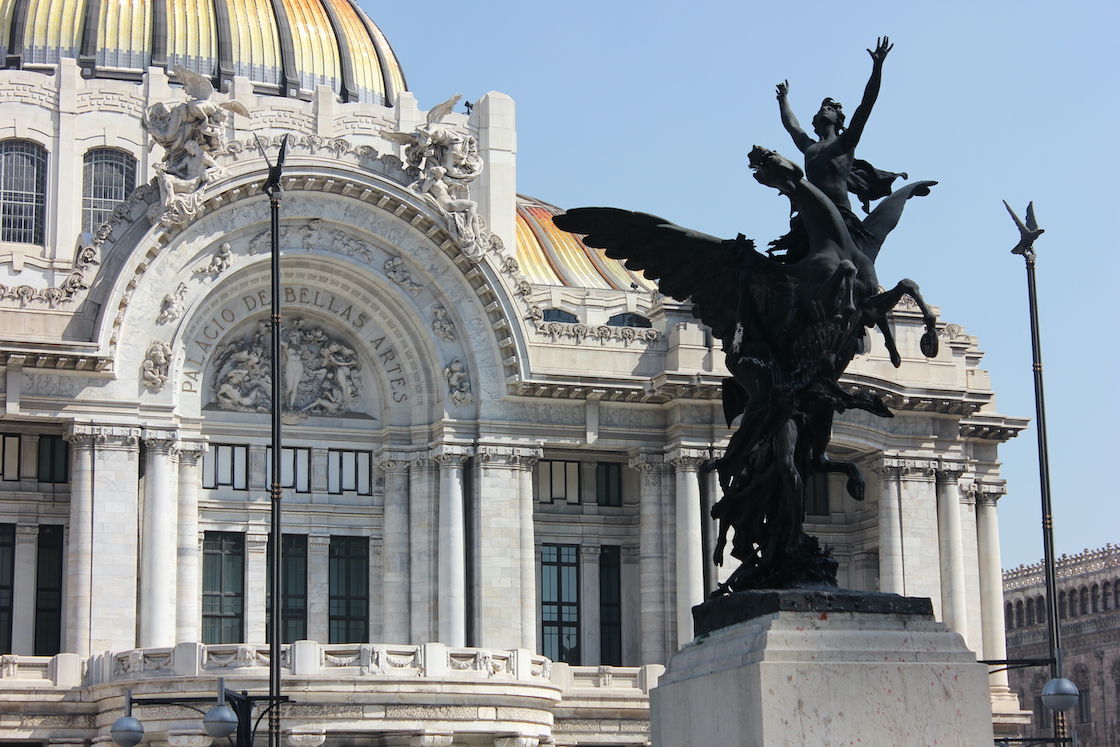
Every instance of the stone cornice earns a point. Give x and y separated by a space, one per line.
105 436
509 456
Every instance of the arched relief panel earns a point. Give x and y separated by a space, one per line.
388 366
357 238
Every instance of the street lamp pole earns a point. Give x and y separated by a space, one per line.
273 188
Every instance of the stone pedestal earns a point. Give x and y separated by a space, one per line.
820 668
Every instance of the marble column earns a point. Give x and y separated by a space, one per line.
891 578
158 543
318 587
589 624
528 459
79 566
395 599
188 610
423 539
991 581
256 585
653 562
690 542
23 589
954 601
452 604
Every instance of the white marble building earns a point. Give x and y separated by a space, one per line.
493 510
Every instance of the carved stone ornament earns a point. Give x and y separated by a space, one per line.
442 325
173 305
313 236
448 162
191 133
458 383
396 271
157 363
321 375
219 263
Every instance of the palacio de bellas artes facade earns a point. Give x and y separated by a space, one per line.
493 435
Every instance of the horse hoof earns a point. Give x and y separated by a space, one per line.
929 345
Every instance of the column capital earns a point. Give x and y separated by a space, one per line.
686 458
160 441
631 554
191 450
950 471
647 461
449 454
523 457
256 542
988 494
395 461
27 534
105 436
590 553
318 541
908 465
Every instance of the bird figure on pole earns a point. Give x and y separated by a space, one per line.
274 170
1027 232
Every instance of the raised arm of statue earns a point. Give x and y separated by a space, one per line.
870 93
800 138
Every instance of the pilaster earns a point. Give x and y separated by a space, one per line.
188 610
256 585
590 643
319 584
23 589
689 537
654 604
158 541
452 602
395 581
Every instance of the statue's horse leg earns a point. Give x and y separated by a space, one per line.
856 485
880 304
836 297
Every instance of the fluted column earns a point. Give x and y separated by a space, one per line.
424 541
590 643
991 581
158 543
395 600
23 589
690 541
79 566
527 460
891 575
653 561
954 602
452 604
188 612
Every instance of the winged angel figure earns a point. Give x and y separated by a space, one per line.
448 162
191 133
789 328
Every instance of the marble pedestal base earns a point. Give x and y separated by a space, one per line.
824 677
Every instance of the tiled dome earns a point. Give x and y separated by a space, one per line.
286 47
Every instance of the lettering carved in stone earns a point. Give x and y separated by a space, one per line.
320 374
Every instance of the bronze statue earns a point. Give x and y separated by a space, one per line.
789 327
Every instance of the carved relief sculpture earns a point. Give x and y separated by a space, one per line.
448 161
156 365
442 325
219 263
191 133
458 383
395 271
173 305
320 373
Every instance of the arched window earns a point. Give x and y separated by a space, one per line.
628 320
23 191
1019 614
1084 600
559 315
108 177
1062 605
1073 603
1030 611
1095 598
1040 609
1106 596
1009 617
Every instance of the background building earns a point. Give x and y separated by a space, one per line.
493 434
1089 614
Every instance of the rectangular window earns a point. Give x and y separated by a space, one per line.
7 582
223 587
1084 706
226 465
350 472
560 602
558 481
608 484
610 605
816 495
295 468
9 457
349 590
48 592
54 459
293 591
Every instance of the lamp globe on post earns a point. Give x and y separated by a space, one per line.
1059 694
221 720
127 731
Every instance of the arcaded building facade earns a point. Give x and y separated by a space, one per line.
1089 618
492 434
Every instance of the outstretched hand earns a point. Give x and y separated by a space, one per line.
882 46
783 89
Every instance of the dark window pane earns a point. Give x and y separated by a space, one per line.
23 189
560 602
48 592
7 580
223 588
109 176
610 605
348 603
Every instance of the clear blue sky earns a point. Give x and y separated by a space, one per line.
653 106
